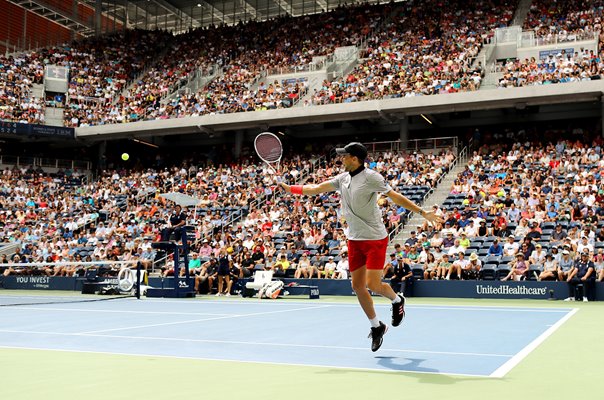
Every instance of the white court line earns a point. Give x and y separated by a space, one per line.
489 309
287 303
45 309
356 305
236 342
204 319
248 362
511 363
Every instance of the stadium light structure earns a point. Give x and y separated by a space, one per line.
145 143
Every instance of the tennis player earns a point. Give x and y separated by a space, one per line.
367 237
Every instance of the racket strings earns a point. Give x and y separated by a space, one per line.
269 148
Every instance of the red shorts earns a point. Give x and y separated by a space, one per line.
370 253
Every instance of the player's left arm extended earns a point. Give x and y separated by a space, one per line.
308 189
401 200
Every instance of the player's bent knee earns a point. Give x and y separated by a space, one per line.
375 286
359 287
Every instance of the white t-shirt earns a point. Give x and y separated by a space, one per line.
510 249
330 266
342 268
359 195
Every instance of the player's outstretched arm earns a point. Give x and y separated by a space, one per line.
401 200
310 190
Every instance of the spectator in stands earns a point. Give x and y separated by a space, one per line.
550 269
342 268
448 240
443 267
582 273
457 267
558 235
194 263
565 265
510 248
585 245
473 269
522 229
464 242
599 265
202 276
391 264
329 268
281 266
495 249
483 230
500 225
411 241
430 267
537 257
401 279
520 269
246 265
456 248
534 232
527 248
513 214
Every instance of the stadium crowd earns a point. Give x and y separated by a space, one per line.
60 217
241 88
17 76
124 77
406 50
566 20
559 22
530 211
561 68
116 218
422 51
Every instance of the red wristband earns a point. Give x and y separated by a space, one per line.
296 189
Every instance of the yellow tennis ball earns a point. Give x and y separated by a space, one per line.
125 156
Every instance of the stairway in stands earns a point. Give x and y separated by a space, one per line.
486 54
438 196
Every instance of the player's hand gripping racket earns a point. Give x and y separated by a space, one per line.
270 150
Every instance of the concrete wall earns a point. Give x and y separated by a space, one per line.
481 100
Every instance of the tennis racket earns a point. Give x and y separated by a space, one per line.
269 149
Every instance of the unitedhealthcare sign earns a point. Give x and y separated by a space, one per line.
492 289
506 289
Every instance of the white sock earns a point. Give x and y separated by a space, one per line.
397 300
375 322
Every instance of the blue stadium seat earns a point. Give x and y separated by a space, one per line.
489 272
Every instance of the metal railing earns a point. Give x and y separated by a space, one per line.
28 161
295 69
451 142
461 157
532 41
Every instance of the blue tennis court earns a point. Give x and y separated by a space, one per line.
460 340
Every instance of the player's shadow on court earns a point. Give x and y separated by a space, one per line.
412 368
413 365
